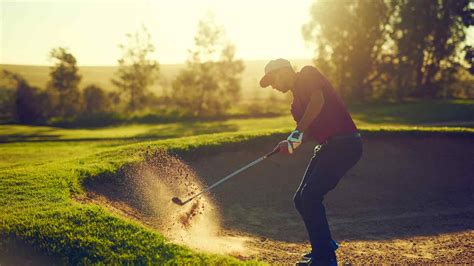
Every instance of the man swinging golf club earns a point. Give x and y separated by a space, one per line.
320 114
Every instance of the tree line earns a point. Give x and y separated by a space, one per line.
394 48
207 86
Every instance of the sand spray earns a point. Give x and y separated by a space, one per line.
197 224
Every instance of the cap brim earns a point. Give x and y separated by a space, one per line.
266 80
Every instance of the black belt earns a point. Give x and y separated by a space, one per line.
345 136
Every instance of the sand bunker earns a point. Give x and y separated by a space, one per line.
409 200
145 191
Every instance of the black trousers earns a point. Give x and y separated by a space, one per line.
330 162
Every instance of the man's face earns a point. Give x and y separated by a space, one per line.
281 80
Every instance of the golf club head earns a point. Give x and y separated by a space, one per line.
177 200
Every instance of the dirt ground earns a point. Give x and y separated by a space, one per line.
409 200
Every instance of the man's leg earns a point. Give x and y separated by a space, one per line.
297 199
318 227
333 161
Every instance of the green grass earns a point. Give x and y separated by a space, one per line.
42 170
415 112
37 204
368 117
140 132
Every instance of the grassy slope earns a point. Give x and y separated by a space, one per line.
39 179
37 204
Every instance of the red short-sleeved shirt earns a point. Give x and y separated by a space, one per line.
334 119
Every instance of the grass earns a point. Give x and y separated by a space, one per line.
37 204
42 170
140 132
368 117
414 112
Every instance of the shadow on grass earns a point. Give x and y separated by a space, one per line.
189 128
102 120
15 251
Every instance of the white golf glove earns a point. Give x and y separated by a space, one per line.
285 147
295 139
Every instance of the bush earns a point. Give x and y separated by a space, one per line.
8 85
89 120
31 104
21 102
94 100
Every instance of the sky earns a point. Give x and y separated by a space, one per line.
93 29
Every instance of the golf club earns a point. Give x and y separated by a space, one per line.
178 201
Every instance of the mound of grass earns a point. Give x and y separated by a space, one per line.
38 206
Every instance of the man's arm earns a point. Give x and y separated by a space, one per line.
312 111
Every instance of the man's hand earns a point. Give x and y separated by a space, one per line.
295 139
284 147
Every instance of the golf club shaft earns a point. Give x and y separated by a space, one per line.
233 174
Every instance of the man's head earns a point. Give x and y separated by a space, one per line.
279 74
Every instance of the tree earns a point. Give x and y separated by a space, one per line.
430 37
64 82
391 48
348 37
136 73
211 81
469 57
8 86
229 75
31 103
21 102
95 100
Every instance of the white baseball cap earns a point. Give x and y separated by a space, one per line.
271 66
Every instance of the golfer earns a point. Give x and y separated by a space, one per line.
320 114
